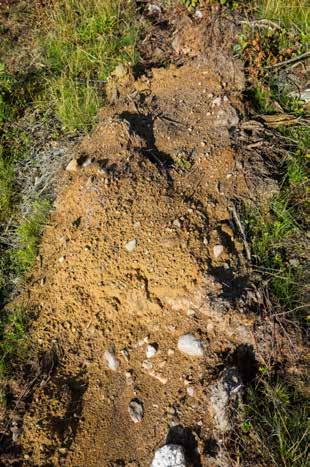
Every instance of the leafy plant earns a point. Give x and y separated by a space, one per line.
190 3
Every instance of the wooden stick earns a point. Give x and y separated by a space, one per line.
291 60
241 229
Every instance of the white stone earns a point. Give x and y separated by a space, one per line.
170 455
176 223
72 166
218 250
190 345
111 360
190 391
151 350
131 245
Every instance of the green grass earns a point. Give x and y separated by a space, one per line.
13 339
275 425
28 237
287 13
85 40
6 188
76 105
277 231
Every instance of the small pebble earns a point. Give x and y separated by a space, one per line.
190 390
190 345
170 352
136 410
151 350
176 223
218 250
125 354
131 245
87 163
111 360
72 166
147 365
162 379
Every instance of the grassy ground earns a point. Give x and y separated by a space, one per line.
84 42
275 425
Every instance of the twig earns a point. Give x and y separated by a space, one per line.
263 23
241 229
290 60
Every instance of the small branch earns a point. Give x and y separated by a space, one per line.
263 23
242 232
291 60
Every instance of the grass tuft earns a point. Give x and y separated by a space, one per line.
6 188
85 40
293 13
28 237
76 104
13 339
276 423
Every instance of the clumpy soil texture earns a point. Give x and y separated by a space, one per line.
141 249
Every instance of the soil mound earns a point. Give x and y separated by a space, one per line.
140 250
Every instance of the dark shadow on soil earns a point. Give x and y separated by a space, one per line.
184 437
245 360
66 426
143 126
211 448
232 287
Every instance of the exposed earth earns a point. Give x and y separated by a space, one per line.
144 247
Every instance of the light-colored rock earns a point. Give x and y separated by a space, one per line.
131 245
190 391
151 350
170 455
218 251
153 10
147 365
136 411
162 379
225 396
111 360
190 345
198 15
72 166
87 162
176 223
